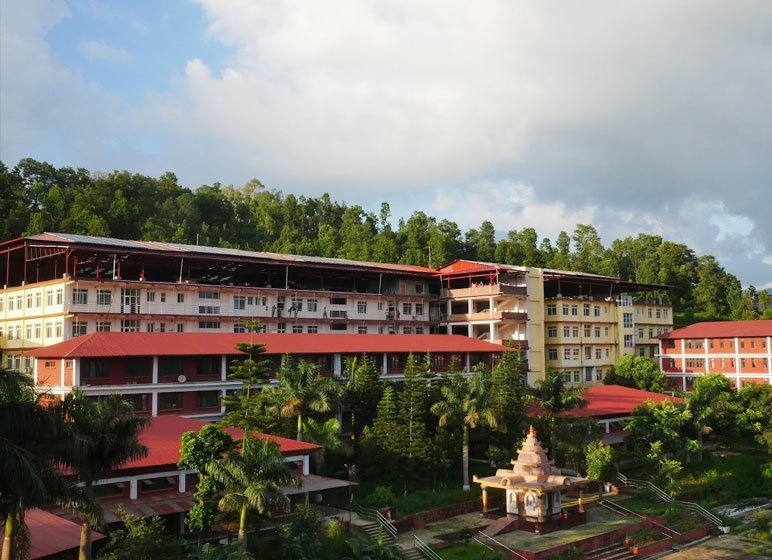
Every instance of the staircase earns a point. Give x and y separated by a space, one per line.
614 551
375 532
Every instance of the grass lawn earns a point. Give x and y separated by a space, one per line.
727 479
471 551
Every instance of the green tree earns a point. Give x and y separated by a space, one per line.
509 393
29 434
142 539
600 463
755 402
588 249
665 422
303 390
387 432
637 372
253 479
301 539
244 406
553 398
363 392
100 436
466 404
413 412
197 450
324 434
712 405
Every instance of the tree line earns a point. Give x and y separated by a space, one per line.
36 196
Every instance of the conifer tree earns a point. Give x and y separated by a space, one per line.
413 411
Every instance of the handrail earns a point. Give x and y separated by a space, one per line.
612 505
636 483
502 545
377 516
425 549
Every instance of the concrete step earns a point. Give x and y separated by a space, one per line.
374 532
411 553
610 552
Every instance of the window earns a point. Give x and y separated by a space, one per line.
312 304
37 331
627 320
208 399
281 328
163 297
239 302
297 329
552 353
575 332
419 288
597 332
407 308
659 313
139 403
80 296
162 327
576 377
10 304
49 297
567 378
338 327
59 296
587 331
2 304
180 327
129 325
596 309
588 352
338 301
29 300
49 329
208 294
169 401
575 353
586 309
566 331
78 328
58 328
566 353
180 298
138 367
170 366
209 324
419 309
598 354
565 309
94 369
209 309
105 297
208 365
552 309
28 330
640 333
628 341
312 329
574 309
407 330
297 305
150 297
362 329
419 330
651 332
361 307
239 328
552 332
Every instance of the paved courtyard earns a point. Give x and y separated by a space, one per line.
725 547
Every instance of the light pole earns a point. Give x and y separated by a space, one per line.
351 470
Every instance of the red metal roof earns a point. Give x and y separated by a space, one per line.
115 344
162 438
610 400
463 267
50 534
722 329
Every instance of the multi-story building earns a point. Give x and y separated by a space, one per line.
577 323
741 350
187 373
61 286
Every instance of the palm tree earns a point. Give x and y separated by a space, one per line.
466 403
302 390
553 397
326 435
100 436
712 404
253 479
28 478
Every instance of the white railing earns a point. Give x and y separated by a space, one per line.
616 508
425 549
664 496
501 545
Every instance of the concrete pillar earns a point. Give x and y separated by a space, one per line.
133 489
155 370
485 499
539 504
581 501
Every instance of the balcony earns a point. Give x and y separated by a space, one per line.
488 316
490 290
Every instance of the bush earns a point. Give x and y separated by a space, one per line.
382 496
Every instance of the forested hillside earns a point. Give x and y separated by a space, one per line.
36 197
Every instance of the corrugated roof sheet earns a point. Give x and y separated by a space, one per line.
610 400
71 238
162 439
722 329
116 344
49 534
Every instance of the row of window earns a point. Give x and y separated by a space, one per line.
575 376
33 300
718 363
573 309
33 331
172 401
574 353
659 313
572 331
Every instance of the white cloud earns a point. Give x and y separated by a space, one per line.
102 52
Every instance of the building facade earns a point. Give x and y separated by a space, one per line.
740 350
187 373
61 286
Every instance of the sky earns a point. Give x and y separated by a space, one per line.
637 117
